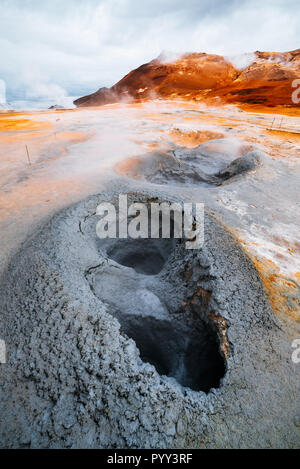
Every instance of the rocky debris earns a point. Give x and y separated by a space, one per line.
206 77
56 106
88 368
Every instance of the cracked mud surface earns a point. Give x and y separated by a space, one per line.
89 368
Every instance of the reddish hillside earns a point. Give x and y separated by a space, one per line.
211 78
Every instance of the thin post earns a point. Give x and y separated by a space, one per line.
28 155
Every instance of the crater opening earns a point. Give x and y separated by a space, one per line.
190 355
145 256
177 341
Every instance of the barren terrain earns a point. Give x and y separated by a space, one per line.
76 153
128 344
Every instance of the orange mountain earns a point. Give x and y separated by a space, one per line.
267 80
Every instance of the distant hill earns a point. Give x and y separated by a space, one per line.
266 80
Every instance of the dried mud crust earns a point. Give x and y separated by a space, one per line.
89 367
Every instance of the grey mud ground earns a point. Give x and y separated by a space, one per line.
124 344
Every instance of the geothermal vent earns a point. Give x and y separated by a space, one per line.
129 344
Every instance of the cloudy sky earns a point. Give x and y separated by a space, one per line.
72 47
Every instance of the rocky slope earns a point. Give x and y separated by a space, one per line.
267 80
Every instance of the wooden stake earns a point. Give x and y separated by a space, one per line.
175 158
28 155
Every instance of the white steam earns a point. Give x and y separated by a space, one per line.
241 61
169 56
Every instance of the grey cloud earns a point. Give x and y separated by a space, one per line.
80 45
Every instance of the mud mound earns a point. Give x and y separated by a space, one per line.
161 347
244 164
202 166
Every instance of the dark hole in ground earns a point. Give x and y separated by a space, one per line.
145 256
187 352
191 356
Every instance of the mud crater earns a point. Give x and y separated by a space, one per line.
179 345
200 166
144 256
82 321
